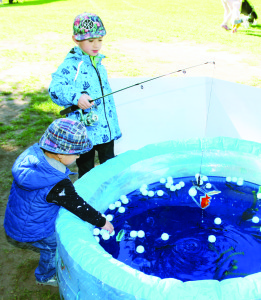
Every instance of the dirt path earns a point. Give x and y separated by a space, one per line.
150 59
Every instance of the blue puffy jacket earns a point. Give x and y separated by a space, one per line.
29 217
76 75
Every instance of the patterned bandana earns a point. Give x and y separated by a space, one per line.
65 136
88 26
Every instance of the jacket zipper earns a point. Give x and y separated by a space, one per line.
99 77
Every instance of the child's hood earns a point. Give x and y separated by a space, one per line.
31 170
76 53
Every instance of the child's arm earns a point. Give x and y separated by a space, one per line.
64 194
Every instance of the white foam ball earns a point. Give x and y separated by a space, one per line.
204 178
212 239
258 195
97 239
109 218
168 185
125 201
234 179
112 206
102 231
255 219
169 179
150 193
121 210
162 180
172 188
133 233
141 233
144 186
106 235
144 192
182 183
240 182
122 197
192 192
178 187
117 203
140 249
113 233
165 236
217 221
208 185
228 179
160 193
96 231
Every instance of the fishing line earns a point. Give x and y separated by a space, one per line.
205 132
75 107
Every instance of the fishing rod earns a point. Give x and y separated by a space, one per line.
75 107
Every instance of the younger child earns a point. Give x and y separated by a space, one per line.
41 185
232 10
81 78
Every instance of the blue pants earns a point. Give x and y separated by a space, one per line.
46 268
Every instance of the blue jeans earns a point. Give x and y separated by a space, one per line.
46 268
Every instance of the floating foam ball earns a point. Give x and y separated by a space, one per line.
140 249
228 179
255 219
122 197
162 180
151 193
172 188
165 236
212 238
117 203
144 192
96 231
113 233
217 221
144 186
102 231
192 192
133 233
125 201
109 218
169 179
121 210
258 195
234 179
160 193
141 233
204 178
97 239
168 185
182 184
208 185
178 187
112 206
240 182
106 235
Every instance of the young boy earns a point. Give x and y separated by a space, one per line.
41 185
81 78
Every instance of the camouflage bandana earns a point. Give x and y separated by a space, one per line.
88 26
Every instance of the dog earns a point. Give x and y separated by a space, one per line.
248 10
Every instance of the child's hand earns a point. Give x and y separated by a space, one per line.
84 103
108 226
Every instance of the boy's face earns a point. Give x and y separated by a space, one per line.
90 46
67 159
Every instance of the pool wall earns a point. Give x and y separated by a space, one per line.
86 271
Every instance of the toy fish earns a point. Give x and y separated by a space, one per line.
120 235
205 201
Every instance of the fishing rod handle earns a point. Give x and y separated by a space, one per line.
69 110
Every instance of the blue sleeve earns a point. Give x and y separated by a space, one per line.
62 90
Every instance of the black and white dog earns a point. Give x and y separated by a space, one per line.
248 10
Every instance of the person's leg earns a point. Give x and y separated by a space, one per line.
85 162
46 269
227 14
105 151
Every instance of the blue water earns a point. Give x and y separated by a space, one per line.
187 254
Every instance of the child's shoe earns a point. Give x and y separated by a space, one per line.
52 282
225 27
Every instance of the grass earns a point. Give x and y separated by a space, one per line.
36 36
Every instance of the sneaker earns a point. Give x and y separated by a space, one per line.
52 282
225 27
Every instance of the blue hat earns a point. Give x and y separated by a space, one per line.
88 26
65 136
